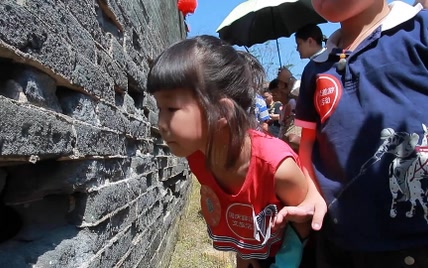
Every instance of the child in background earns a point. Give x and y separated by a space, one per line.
204 89
262 113
363 107
309 41
274 108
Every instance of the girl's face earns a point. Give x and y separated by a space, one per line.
341 10
181 121
304 48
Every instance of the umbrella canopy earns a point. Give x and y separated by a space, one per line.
257 21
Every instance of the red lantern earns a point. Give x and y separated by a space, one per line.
187 6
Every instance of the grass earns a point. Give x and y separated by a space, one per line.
194 247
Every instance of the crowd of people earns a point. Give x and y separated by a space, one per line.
340 168
281 93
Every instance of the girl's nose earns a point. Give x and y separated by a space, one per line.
162 123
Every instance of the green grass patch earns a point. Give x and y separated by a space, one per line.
194 247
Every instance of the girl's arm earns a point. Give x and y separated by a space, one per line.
291 187
313 203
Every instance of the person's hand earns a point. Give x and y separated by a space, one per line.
313 206
314 203
290 213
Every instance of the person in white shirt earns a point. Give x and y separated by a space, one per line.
309 40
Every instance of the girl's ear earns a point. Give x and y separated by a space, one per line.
226 111
222 122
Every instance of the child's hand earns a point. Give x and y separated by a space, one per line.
313 206
294 214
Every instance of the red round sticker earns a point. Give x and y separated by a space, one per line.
327 95
210 206
240 220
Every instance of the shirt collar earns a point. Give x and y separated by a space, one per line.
400 12
318 53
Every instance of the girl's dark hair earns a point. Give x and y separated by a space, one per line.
213 70
311 30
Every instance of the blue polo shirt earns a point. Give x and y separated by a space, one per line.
371 153
261 110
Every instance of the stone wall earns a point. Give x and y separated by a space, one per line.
85 180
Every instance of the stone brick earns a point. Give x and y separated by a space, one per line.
113 69
92 141
98 205
93 79
35 181
78 106
26 132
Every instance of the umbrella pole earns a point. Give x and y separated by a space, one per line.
279 53
246 48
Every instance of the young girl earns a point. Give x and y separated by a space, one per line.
309 41
204 90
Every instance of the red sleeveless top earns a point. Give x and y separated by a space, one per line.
241 222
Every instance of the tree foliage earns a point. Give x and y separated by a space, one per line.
267 54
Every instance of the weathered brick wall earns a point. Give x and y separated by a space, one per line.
85 179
